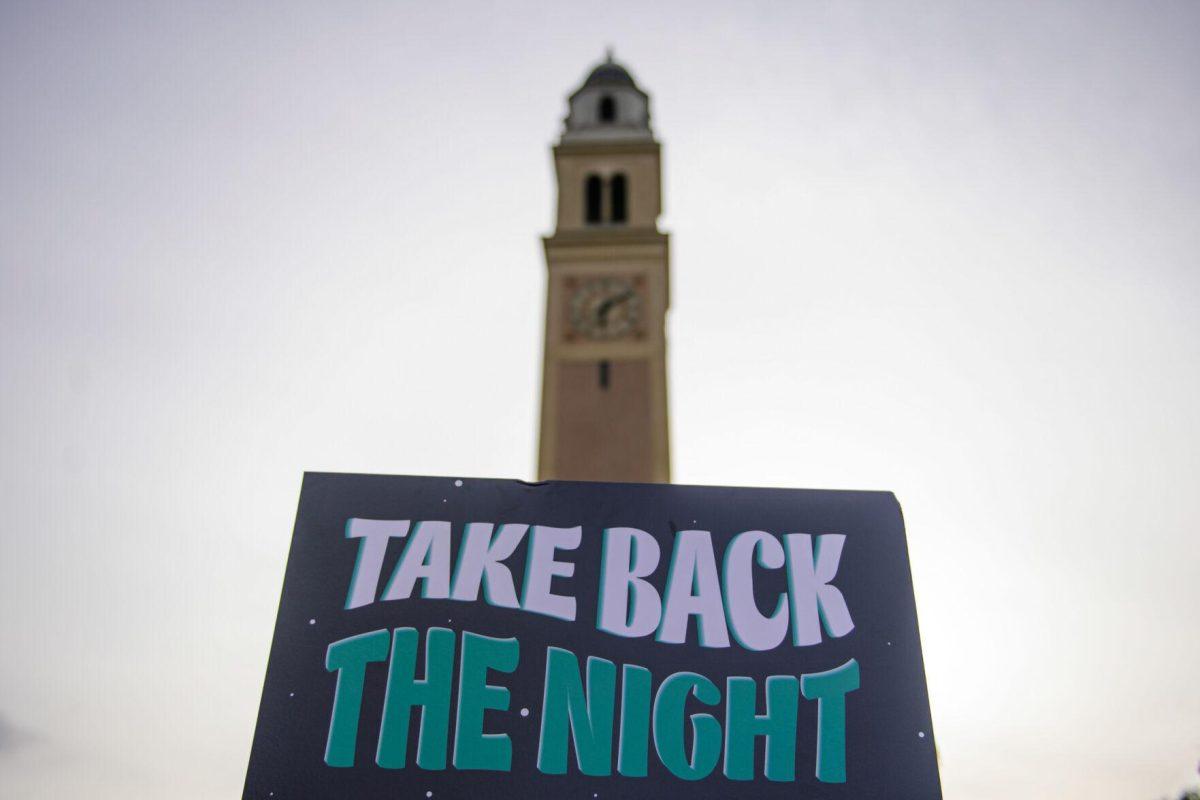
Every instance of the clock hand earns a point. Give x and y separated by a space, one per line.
607 306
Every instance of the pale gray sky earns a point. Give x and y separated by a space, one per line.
947 249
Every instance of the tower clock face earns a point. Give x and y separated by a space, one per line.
605 308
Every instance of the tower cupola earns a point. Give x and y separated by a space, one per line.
609 106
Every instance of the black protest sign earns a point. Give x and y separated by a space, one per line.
442 638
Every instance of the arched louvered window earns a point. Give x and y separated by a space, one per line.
608 109
592 192
619 205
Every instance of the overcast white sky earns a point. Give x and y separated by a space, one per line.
946 249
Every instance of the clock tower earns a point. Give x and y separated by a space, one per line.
604 376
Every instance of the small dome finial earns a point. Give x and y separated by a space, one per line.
608 55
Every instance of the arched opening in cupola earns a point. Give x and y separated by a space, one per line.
608 109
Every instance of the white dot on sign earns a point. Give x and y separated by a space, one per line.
889 644
458 483
291 694
312 622
921 734
429 794
443 499
524 712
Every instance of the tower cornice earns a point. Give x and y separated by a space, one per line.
600 147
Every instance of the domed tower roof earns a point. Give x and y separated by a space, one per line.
609 73
608 107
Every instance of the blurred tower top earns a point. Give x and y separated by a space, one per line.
608 107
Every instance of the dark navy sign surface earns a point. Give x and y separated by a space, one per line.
447 638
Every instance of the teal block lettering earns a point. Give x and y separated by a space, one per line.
589 715
778 725
634 742
404 692
829 689
349 658
669 707
474 749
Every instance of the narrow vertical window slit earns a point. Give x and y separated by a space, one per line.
592 191
618 198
